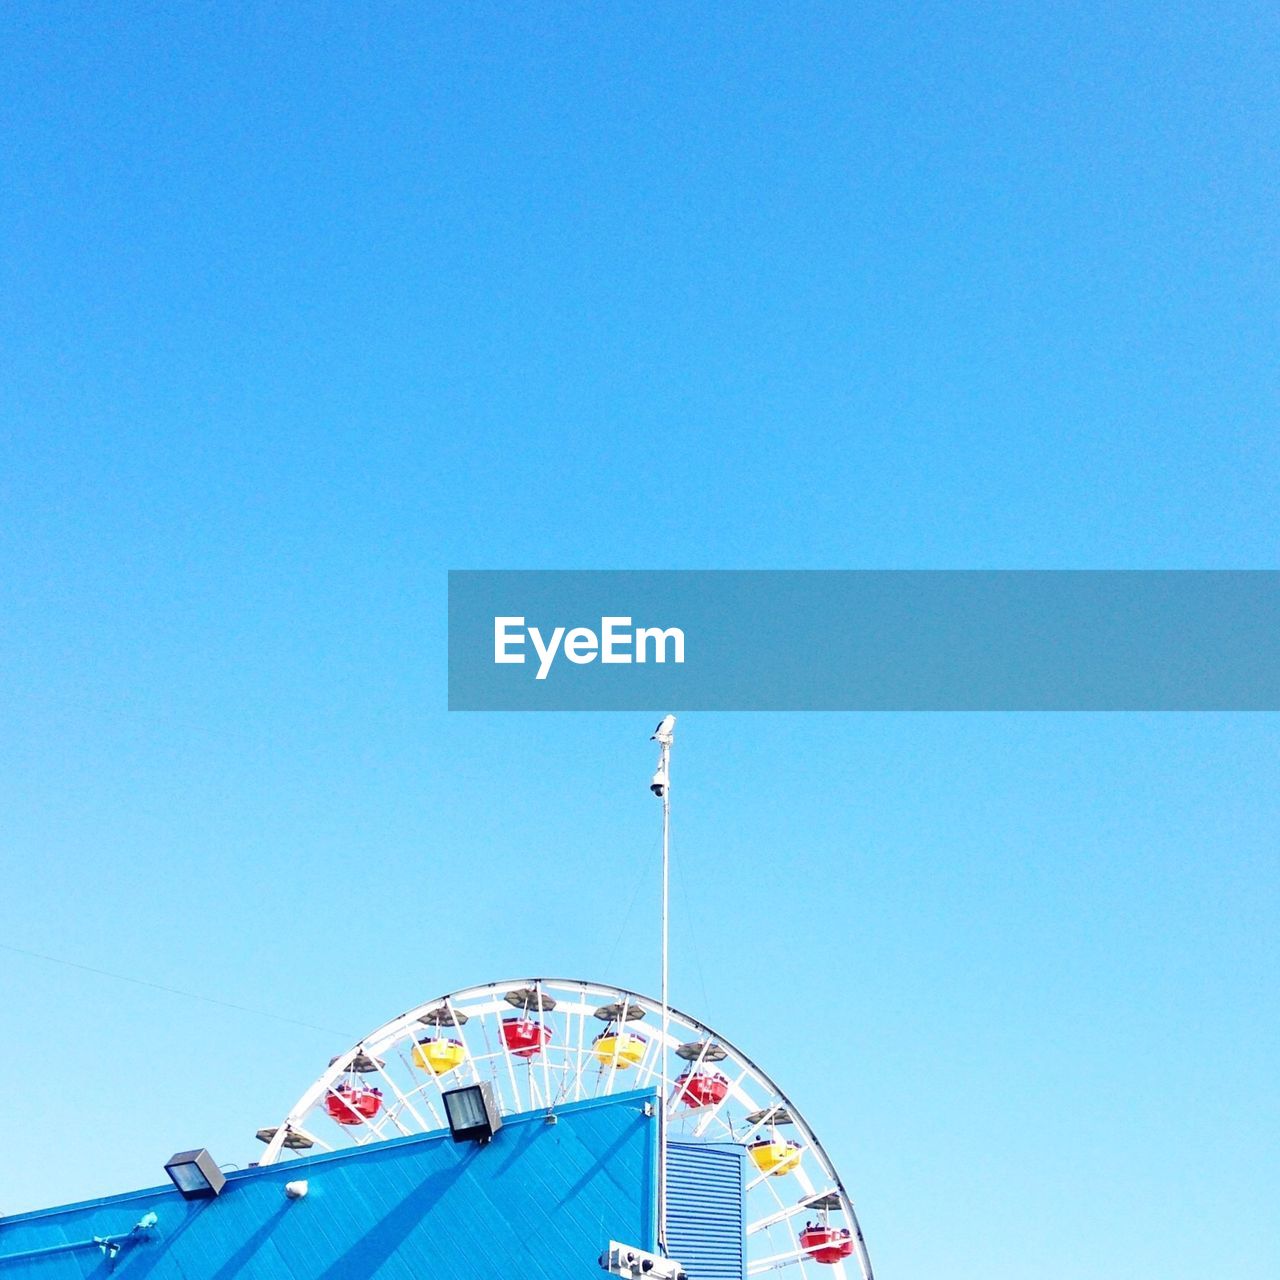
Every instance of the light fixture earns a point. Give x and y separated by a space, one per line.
195 1174
473 1113
623 1260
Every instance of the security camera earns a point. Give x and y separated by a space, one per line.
658 783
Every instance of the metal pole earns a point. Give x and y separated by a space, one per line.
665 767
660 785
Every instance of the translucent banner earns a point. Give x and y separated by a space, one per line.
864 640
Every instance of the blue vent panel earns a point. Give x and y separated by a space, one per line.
706 1209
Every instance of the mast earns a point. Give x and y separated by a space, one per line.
660 785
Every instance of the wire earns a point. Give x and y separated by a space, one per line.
693 930
173 991
640 875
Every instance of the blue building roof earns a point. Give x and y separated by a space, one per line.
540 1200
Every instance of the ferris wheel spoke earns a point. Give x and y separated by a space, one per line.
656 1056
419 1091
763 1177
363 1133
769 1117
349 1109
546 1056
402 1099
405 1131
775 1263
582 1035
563 1072
585 1060
511 1070
563 1067
568 1062
806 1205
613 1065
717 1107
799 1256
673 1104
775 1194
650 1066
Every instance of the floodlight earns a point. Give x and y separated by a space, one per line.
623 1260
472 1112
195 1174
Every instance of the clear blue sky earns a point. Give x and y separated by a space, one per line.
303 309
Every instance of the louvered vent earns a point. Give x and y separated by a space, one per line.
706 1222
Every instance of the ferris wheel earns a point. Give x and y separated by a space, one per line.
542 1042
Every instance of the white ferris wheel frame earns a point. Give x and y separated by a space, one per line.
418 1108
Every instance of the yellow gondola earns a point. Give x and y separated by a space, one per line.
619 1048
439 1056
775 1155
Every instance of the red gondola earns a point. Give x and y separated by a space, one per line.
352 1104
702 1088
826 1244
524 1037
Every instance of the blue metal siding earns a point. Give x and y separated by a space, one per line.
539 1201
706 1209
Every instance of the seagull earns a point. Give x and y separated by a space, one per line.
666 726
